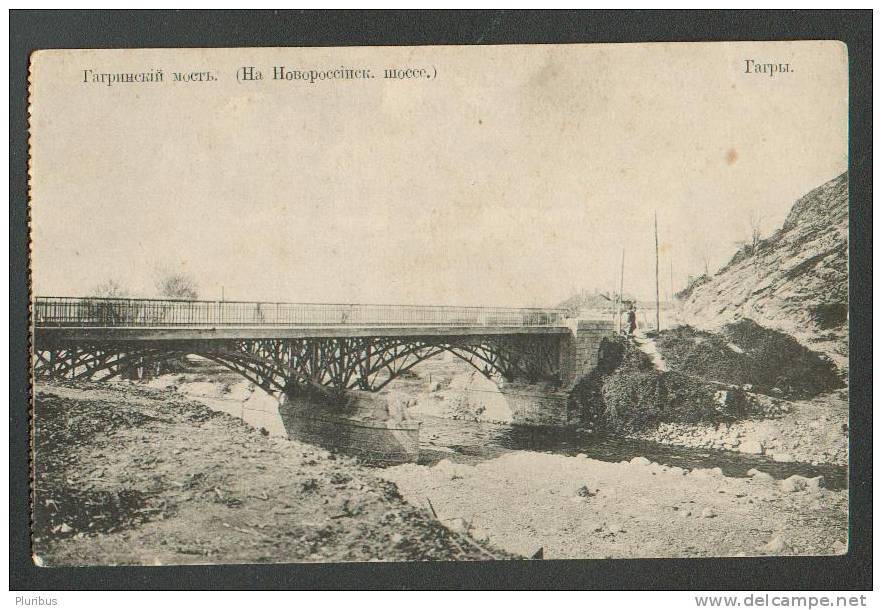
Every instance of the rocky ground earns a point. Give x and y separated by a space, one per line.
141 474
448 387
813 431
133 475
575 507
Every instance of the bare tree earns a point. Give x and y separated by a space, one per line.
177 285
109 289
705 256
756 222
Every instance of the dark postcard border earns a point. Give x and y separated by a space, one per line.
31 30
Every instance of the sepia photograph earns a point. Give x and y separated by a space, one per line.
439 303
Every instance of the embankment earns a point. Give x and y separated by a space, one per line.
131 475
745 388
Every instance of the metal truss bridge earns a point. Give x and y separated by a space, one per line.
284 346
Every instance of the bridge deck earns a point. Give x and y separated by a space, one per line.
44 334
99 319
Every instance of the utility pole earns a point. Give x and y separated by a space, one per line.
621 294
657 314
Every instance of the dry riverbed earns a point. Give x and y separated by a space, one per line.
128 474
132 475
575 507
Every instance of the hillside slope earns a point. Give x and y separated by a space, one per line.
796 281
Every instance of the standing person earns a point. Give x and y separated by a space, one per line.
632 319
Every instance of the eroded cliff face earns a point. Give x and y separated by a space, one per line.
795 281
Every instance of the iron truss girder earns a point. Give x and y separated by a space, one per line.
280 365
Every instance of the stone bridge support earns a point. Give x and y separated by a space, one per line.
579 351
546 404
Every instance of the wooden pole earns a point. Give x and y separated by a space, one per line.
621 292
657 313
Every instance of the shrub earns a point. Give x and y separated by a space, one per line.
747 353
625 393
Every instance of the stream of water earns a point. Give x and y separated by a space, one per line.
473 442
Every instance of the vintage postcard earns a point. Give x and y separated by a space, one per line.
439 303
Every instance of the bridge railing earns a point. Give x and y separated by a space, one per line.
101 312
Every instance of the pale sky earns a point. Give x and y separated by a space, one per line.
515 176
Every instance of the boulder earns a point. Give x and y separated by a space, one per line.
798 483
754 447
782 457
454 470
479 534
776 546
815 483
794 483
640 461
708 513
759 475
457 524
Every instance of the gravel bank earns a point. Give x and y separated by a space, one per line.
812 431
575 507
131 475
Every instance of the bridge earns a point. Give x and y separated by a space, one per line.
281 347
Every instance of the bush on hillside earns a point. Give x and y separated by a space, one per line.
746 353
626 394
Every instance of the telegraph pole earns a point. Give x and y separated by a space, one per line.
657 314
621 294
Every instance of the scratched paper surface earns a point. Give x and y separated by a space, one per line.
506 206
